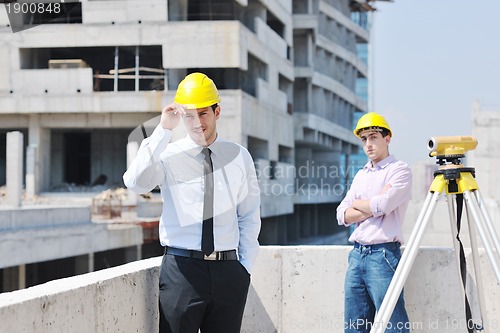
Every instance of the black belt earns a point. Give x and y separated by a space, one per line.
216 255
378 246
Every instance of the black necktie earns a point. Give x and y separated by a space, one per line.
207 236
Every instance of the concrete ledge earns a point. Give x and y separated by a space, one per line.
30 217
294 289
119 299
36 245
301 289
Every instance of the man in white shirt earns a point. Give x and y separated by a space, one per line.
211 213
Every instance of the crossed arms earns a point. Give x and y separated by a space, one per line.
360 209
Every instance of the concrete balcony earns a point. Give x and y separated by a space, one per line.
339 17
294 289
67 231
54 81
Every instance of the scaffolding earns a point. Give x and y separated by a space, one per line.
139 73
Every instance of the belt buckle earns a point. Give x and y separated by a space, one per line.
212 256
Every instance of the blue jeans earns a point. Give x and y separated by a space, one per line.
370 271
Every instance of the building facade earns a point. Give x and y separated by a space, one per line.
292 76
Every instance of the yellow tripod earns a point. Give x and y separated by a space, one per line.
456 180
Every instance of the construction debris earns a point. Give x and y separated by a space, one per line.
108 204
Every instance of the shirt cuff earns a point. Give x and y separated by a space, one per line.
374 206
246 265
341 216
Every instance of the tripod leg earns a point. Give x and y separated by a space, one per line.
472 202
489 223
453 221
458 254
477 266
396 286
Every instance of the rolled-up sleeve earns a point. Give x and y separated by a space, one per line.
346 202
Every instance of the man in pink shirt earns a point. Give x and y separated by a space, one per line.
376 204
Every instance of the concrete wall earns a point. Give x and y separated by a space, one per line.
40 233
54 81
43 216
294 289
26 246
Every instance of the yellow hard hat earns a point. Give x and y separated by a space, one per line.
371 120
196 91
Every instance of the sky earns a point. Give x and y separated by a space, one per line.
430 61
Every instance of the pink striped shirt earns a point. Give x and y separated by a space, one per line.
388 209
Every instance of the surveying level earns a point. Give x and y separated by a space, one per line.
449 146
459 182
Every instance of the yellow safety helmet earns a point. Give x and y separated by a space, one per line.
196 91
371 120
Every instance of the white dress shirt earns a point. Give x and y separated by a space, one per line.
177 168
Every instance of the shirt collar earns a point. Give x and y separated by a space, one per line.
382 164
194 149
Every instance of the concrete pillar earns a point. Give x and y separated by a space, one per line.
21 278
132 148
91 262
31 174
14 168
37 157
139 251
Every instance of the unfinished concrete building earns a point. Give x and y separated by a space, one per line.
292 76
485 124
